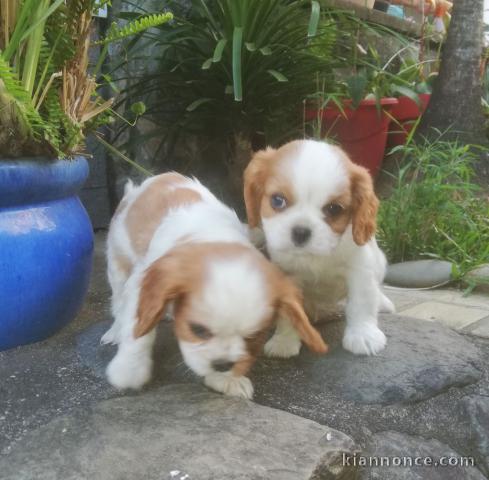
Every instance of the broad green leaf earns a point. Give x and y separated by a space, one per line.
407 92
356 85
218 50
237 47
45 14
314 19
423 87
198 103
207 64
139 108
278 76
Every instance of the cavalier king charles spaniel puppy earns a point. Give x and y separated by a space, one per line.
174 247
317 212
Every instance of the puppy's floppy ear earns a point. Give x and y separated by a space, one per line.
255 176
364 205
291 307
162 282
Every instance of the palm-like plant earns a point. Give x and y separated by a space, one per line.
229 67
48 98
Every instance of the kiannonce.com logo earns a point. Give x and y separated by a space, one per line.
406 461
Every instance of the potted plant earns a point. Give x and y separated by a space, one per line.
357 117
414 92
372 105
48 102
242 86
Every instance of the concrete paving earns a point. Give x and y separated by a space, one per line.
449 306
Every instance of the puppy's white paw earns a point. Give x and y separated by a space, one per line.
364 339
283 346
128 371
386 305
229 384
110 337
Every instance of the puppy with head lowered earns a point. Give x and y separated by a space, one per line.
172 244
318 211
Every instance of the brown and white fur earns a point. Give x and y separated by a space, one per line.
318 212
172 243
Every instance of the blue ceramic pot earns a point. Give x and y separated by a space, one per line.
46 245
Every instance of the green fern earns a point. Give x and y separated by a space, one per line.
55 117
136 26
46 38
28 115
64 135
60 36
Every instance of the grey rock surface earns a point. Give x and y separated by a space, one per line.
419 274
421 360
401 452
64 377
416 385
477 412
180 428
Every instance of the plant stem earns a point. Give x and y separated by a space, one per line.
43 75
34 48
124 157
101 59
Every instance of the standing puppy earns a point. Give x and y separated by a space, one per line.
318 213
171 242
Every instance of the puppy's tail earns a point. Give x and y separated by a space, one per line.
128 187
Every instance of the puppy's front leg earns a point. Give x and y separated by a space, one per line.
285 342
362 335
131 367
233 383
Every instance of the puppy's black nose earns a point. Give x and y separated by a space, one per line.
222 365
300 235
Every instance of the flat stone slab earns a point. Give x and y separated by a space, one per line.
180 432
480 328
399 452
422 359
419 274
453 316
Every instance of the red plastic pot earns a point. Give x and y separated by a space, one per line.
362 132
406 112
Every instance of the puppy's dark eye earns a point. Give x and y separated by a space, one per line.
333 209
200 331
278 201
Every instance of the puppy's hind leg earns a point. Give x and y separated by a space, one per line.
362 335
285 342
385 304
132 365
118 271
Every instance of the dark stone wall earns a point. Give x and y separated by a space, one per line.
95 193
